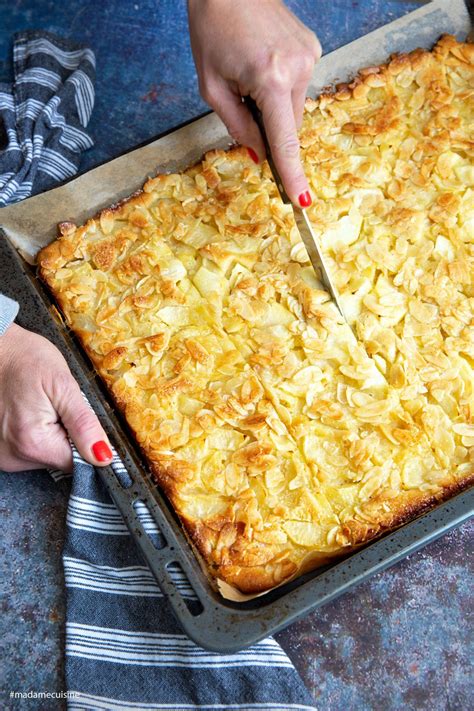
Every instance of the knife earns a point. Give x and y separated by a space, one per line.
301 218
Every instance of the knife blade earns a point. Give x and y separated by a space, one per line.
303 224
315 255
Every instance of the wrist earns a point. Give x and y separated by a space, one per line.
8 312
9 349
192 4
8 338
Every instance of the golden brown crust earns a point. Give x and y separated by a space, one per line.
280 441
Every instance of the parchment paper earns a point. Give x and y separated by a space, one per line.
31 224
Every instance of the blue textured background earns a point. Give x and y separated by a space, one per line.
146 82
399 641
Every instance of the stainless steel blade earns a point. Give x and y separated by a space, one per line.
315 254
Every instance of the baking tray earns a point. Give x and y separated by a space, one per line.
210 620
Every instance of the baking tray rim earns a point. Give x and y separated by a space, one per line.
284 604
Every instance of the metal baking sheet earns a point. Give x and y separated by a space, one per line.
212 621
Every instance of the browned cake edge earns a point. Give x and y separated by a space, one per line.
256 579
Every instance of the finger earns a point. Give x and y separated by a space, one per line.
14 464
81 423
299 90
239 122
279 120
56 451
41 447
298 99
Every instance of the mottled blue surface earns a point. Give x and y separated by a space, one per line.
399 641
146 81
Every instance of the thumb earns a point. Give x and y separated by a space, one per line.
81 423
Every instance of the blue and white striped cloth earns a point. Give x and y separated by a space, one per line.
124 648
8 312
43 114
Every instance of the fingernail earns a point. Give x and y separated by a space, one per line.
101 451
305 199
253 155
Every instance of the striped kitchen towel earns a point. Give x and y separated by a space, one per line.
43 114
124 648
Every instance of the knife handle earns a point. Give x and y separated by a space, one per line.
258 118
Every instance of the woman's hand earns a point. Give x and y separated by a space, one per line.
259 48
39 402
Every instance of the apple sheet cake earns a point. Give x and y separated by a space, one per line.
282 437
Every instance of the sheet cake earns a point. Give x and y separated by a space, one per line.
281 439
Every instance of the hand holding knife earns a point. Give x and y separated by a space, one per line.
301 218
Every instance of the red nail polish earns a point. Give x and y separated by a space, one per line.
101 451
305 199
253 155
